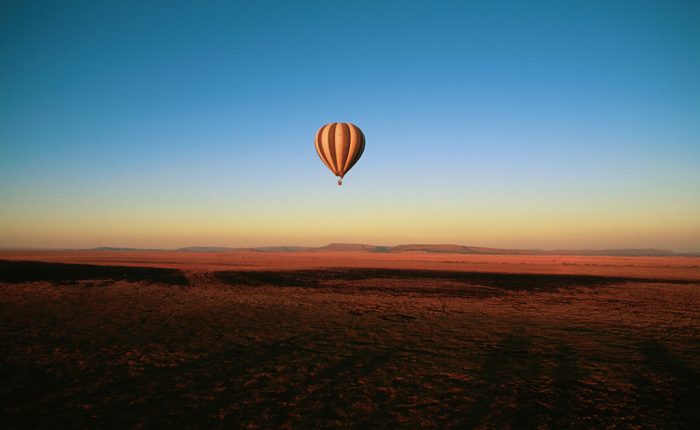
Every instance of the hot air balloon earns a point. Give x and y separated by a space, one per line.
340 145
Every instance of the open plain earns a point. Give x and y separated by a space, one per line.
348 340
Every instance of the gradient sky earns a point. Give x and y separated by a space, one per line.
565 124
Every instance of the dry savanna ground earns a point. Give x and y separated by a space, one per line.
348 340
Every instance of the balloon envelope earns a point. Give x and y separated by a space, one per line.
340 145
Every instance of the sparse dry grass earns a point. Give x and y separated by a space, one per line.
348 347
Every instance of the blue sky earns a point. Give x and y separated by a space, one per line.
547 124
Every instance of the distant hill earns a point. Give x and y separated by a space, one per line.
282 248
450 249
206 249
111 248
427 248
352 247
459 249
647 252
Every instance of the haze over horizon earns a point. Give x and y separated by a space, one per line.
439 248
564 126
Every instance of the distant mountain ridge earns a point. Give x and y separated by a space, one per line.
207 249
427 248
459 249
352 247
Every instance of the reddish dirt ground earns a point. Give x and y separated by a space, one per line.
633 267
348 340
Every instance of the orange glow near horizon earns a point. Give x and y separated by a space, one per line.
266 226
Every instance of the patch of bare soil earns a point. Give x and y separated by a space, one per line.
110 346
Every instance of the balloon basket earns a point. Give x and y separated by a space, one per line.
340 181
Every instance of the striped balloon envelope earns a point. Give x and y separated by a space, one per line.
340 145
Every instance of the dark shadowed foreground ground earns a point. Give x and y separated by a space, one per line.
107 346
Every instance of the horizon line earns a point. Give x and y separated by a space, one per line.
377 248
